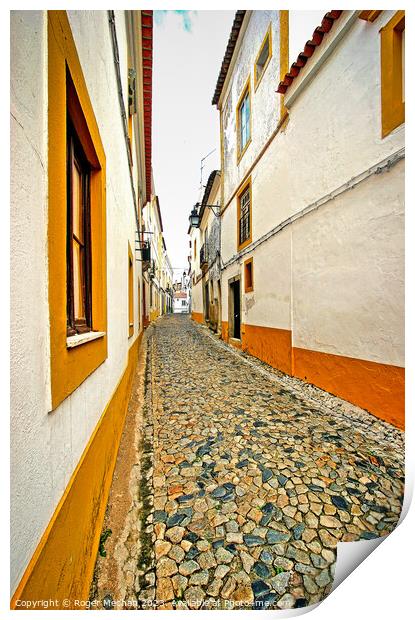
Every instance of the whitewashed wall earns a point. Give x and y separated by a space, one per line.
264 99
356 241
46 447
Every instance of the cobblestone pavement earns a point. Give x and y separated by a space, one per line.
253 478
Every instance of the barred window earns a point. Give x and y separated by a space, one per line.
245 215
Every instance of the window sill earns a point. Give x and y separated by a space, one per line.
78 339
242 153
257 80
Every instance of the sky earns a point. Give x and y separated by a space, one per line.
188 51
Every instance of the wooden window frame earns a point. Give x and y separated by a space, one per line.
240 193
130 292
75 153
268 35
393 108
246 90
249 265
73 358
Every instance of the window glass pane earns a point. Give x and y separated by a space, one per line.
77 202
244 121
78 280
263 57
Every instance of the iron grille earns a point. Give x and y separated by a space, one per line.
245 216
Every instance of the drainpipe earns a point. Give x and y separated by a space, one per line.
115 50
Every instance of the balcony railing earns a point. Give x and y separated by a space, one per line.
203 256
146 255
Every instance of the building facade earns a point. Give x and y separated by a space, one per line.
205 270
312 195
81 124
181 295
167 282
158 273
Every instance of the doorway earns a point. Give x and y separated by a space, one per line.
235 308
207 301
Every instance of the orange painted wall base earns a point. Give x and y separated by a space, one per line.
270 345
378 388
198 317
63 563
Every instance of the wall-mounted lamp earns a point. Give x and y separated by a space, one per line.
194 217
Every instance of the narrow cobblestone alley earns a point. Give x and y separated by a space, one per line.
255 478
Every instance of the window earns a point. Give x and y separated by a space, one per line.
392 73
249 275
194 244
244 120
263 58
130 293
244 216
78 244
76 219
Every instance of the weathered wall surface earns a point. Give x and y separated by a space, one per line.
264 99
46 447
334 278
348 280
30 424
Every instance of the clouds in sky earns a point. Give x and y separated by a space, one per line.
185 15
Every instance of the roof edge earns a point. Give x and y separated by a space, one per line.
302 58
230 48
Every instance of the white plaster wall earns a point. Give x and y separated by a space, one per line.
197 297
264 101
333 134
348 278
29 314
46 447
269 304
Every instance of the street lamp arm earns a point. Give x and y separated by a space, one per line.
212 208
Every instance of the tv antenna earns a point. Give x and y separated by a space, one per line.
202 166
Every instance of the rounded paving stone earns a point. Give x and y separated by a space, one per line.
189 567
236 475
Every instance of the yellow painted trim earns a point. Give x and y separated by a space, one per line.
240 191
268 35
63 563
130 292
222 161
246 89
70 367
249 261
393 108
369 16
154 314
284 54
